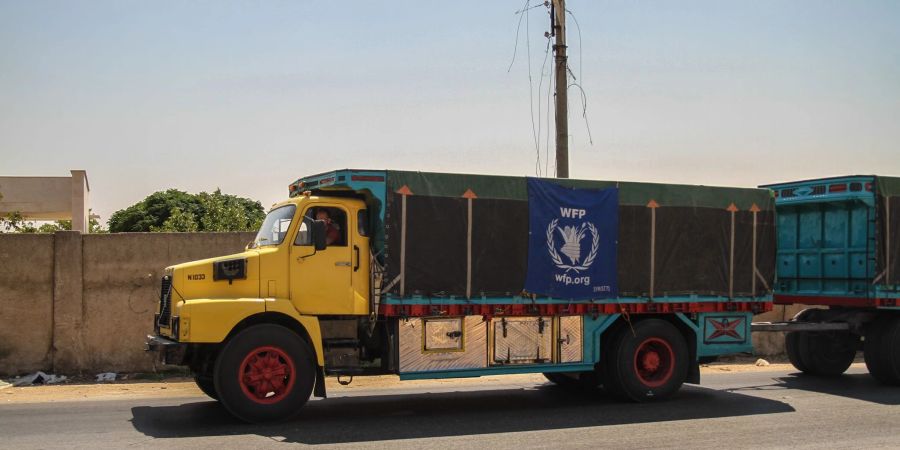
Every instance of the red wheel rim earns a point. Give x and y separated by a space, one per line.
654 362
267 375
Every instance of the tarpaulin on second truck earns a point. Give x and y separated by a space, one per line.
479 236
888 233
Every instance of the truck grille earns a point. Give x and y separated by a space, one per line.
165 302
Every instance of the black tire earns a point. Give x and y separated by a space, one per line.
882 358
792 346
820 353
792 341
207 385
573 380
647 364
828 353
265 373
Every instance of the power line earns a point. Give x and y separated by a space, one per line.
580 59
516 46
580 80
541 83
523 15
584 111
532 7
535 131
547 146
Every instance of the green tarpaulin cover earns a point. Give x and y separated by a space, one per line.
704 236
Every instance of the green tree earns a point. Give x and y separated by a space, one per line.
178 221
14 222
227 213
152 212
174 210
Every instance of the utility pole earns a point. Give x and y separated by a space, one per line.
558 28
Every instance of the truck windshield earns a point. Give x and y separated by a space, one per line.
275 227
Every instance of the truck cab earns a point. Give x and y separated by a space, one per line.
296 263
306 269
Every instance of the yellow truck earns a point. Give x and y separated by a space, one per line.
428 275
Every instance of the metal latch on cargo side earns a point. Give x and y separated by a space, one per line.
343 382
566 341
454 334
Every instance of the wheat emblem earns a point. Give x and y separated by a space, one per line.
571 247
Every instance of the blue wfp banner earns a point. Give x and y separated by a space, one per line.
572 241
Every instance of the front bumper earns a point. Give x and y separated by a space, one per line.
168 351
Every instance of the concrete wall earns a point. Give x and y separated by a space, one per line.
74 303
26 302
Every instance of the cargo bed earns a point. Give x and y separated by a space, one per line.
458 244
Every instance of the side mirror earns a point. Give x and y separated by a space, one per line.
319 234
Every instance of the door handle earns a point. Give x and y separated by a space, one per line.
343 263
356 250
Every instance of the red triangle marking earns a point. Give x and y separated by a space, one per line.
732 208
469 194
404 190
755 208
652 204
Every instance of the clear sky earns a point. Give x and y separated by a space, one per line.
250 95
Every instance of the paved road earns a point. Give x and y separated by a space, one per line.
771 409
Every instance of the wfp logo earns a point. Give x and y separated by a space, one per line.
572 237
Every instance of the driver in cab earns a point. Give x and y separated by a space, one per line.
332 235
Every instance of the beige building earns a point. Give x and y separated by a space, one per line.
48 198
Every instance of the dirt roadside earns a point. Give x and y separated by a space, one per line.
180 386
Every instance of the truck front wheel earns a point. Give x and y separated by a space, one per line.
265 373
207 385
645 362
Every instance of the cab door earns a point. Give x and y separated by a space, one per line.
321 281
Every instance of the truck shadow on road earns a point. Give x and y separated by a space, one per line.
364 418
858 386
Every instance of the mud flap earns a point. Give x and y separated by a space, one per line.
319 389
693 376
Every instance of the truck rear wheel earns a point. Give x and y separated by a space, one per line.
792 342
826 353
265 373
792 346
646 362
822 353
880 348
